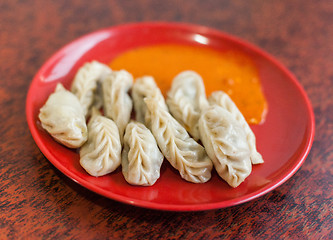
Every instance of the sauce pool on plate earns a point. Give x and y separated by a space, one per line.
230 71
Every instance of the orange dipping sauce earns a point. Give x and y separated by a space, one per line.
230 71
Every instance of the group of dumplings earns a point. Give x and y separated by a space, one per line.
170 129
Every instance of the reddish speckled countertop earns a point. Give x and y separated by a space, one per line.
39 202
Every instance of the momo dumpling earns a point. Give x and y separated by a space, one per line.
141 157
145 87
223 100
182 151
62 116
101 154
117 102
86 81
225 142
186 99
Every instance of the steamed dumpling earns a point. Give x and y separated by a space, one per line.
62 116
145 87
101 154
223 100
117 103
186 99
86 81
141 158
225 142
182 151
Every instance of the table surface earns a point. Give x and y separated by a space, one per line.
38 201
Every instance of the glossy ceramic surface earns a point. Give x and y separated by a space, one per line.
284 139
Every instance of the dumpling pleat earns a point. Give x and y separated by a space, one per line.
145 87
182 151
101 154
117 102
186 99
223 100
225 142
141 158
85 83
63 118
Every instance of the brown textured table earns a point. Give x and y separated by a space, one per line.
38 201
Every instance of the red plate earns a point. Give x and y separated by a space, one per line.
284 139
